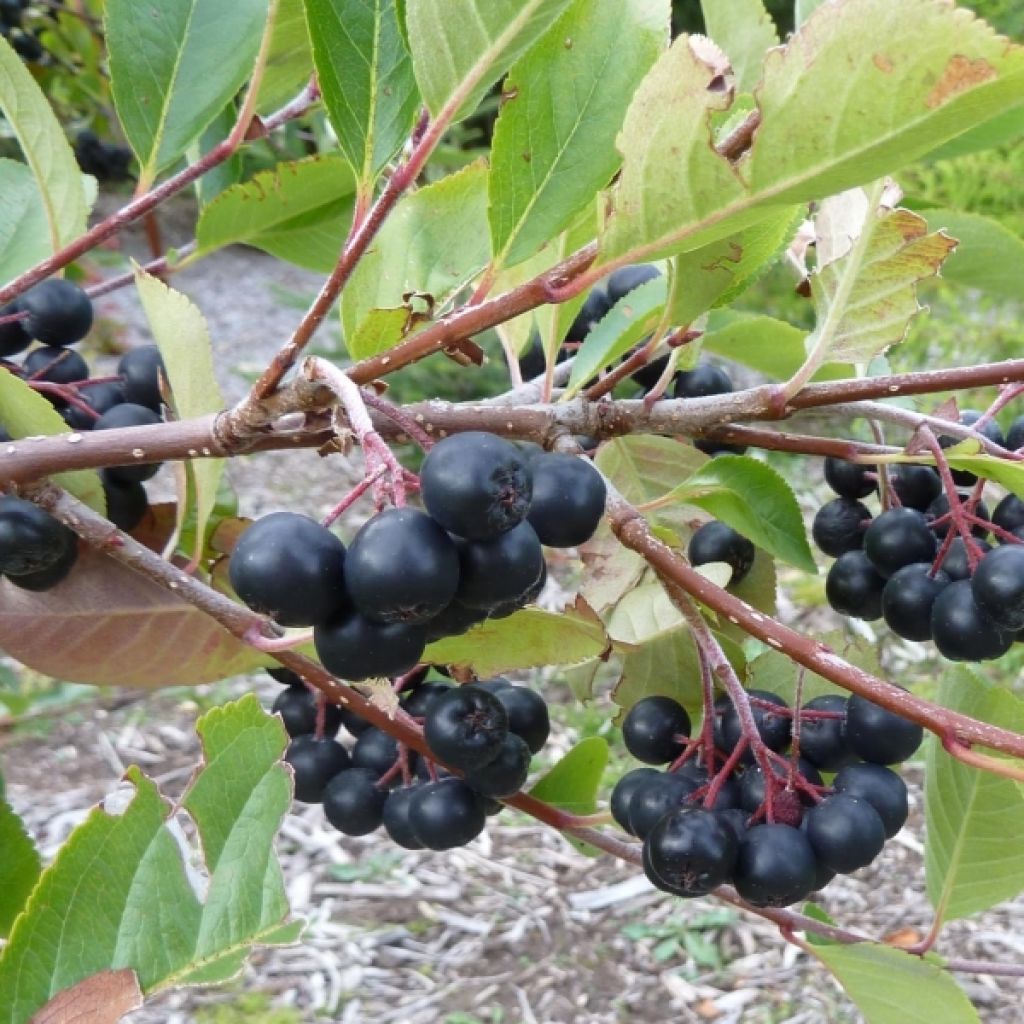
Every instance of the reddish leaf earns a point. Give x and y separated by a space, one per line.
102 999
110 626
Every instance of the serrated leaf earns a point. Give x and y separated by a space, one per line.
554 140
755 501
622 327
110 626
666 666
378 331
645 467
433 243
24 413
573 783
183 338
612 569
528 639
923 72
974 856
643 615
462 47
366 78
127 898
171 72
24 239
289 60
989 257
46 149
745 30
19 866
299 211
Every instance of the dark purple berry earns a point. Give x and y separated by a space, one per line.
839 526
655 729
717 542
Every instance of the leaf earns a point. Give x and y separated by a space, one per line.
105 998
745 31
573 782
666 666
643 468
755 501
803 9
623 326
110 626
612 570
528 639
974 855
289 60
299 211
989 257
890 986
379 330
122 893
462 47
26 414
922 73
644 614
171 72
554 140
432 244
1006 128
183 338
225 174
366 78
967 455
19 866
23 231
42 140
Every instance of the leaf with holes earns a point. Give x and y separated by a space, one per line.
745 30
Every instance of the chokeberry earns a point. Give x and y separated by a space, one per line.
353 803
284 676
417 702
879 735
55 365
48 578
623 792
127 504
141 370
314 763
506 608
773 728
622 281
100 398
506 774
717 542
940 506
527 714
353 647
594 307
125 414
846 833
297 706
962 631
396 818
839 526
31 540
849 479
775 866
656 795
916 486
59 312
854 587
823 740
955 563
493 572
453 620
998 586
568 499
753 790
733 818
376 751
13 336
655 729
908 598
1009 513
476 485
466 727
446 814
1015 435
989 429
879 786
897 538
690 852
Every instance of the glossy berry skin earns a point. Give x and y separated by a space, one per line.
353 804
998 586
1009 513
31 540
879 786
476 485
466 727
284 676
594 307
654 797
446 814
48 578
623 792
752 787
908 598
716 542
506 774
124 414
940 506
839 526
401 567
527 714
396 818
55 365
846 833
1015 435
735 820
494 572
622 281
376 752
100 397
989 429
955 564
453 620
127 504
848 479
13 337
297 707
568 499
879 735
689 852
290 567
823 740
352 647
773 728
314 763
853 586
651 727
418 702
702 381
528 596
775 866
962 631
897 538
59 312
916 486
141 370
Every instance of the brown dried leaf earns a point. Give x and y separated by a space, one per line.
102 999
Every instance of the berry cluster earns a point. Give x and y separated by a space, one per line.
411 577
776 838
487 731
910 564
60 314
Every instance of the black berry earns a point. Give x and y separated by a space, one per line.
127 503
125 414
823 740
854 587
568 500
839 526
690 852
916 486
775 866
353 647
998 586
879 786
297 706
314 763
879 735
849 479
962 631
989 429
101 398
622 281
717 542
1015 435
940 506
845 833
59 312
897 538
655 729
955 563
773 728
141 370
656 795
31 540
1009 513
623 792
593 309
446 814
908 598
493 572
353 804
506 774
396 818
13 336
466 727
527 714
55 365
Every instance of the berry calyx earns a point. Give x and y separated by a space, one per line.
652 728
717 542
466 727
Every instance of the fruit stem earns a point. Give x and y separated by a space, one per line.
406 422
255 637
353 496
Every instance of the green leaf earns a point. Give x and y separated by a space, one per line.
923 73
289 60
298 211
366 78
745 30
46 149
999 131
643 614
460 48
974 855
528 639
666 666
433 243
120 893
379 330
754 500
890 986
967 455
612 570
554 141
573 782
643 468
623 326
803 9
171 72
19 867
24 240
224 175
989 257
24 413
